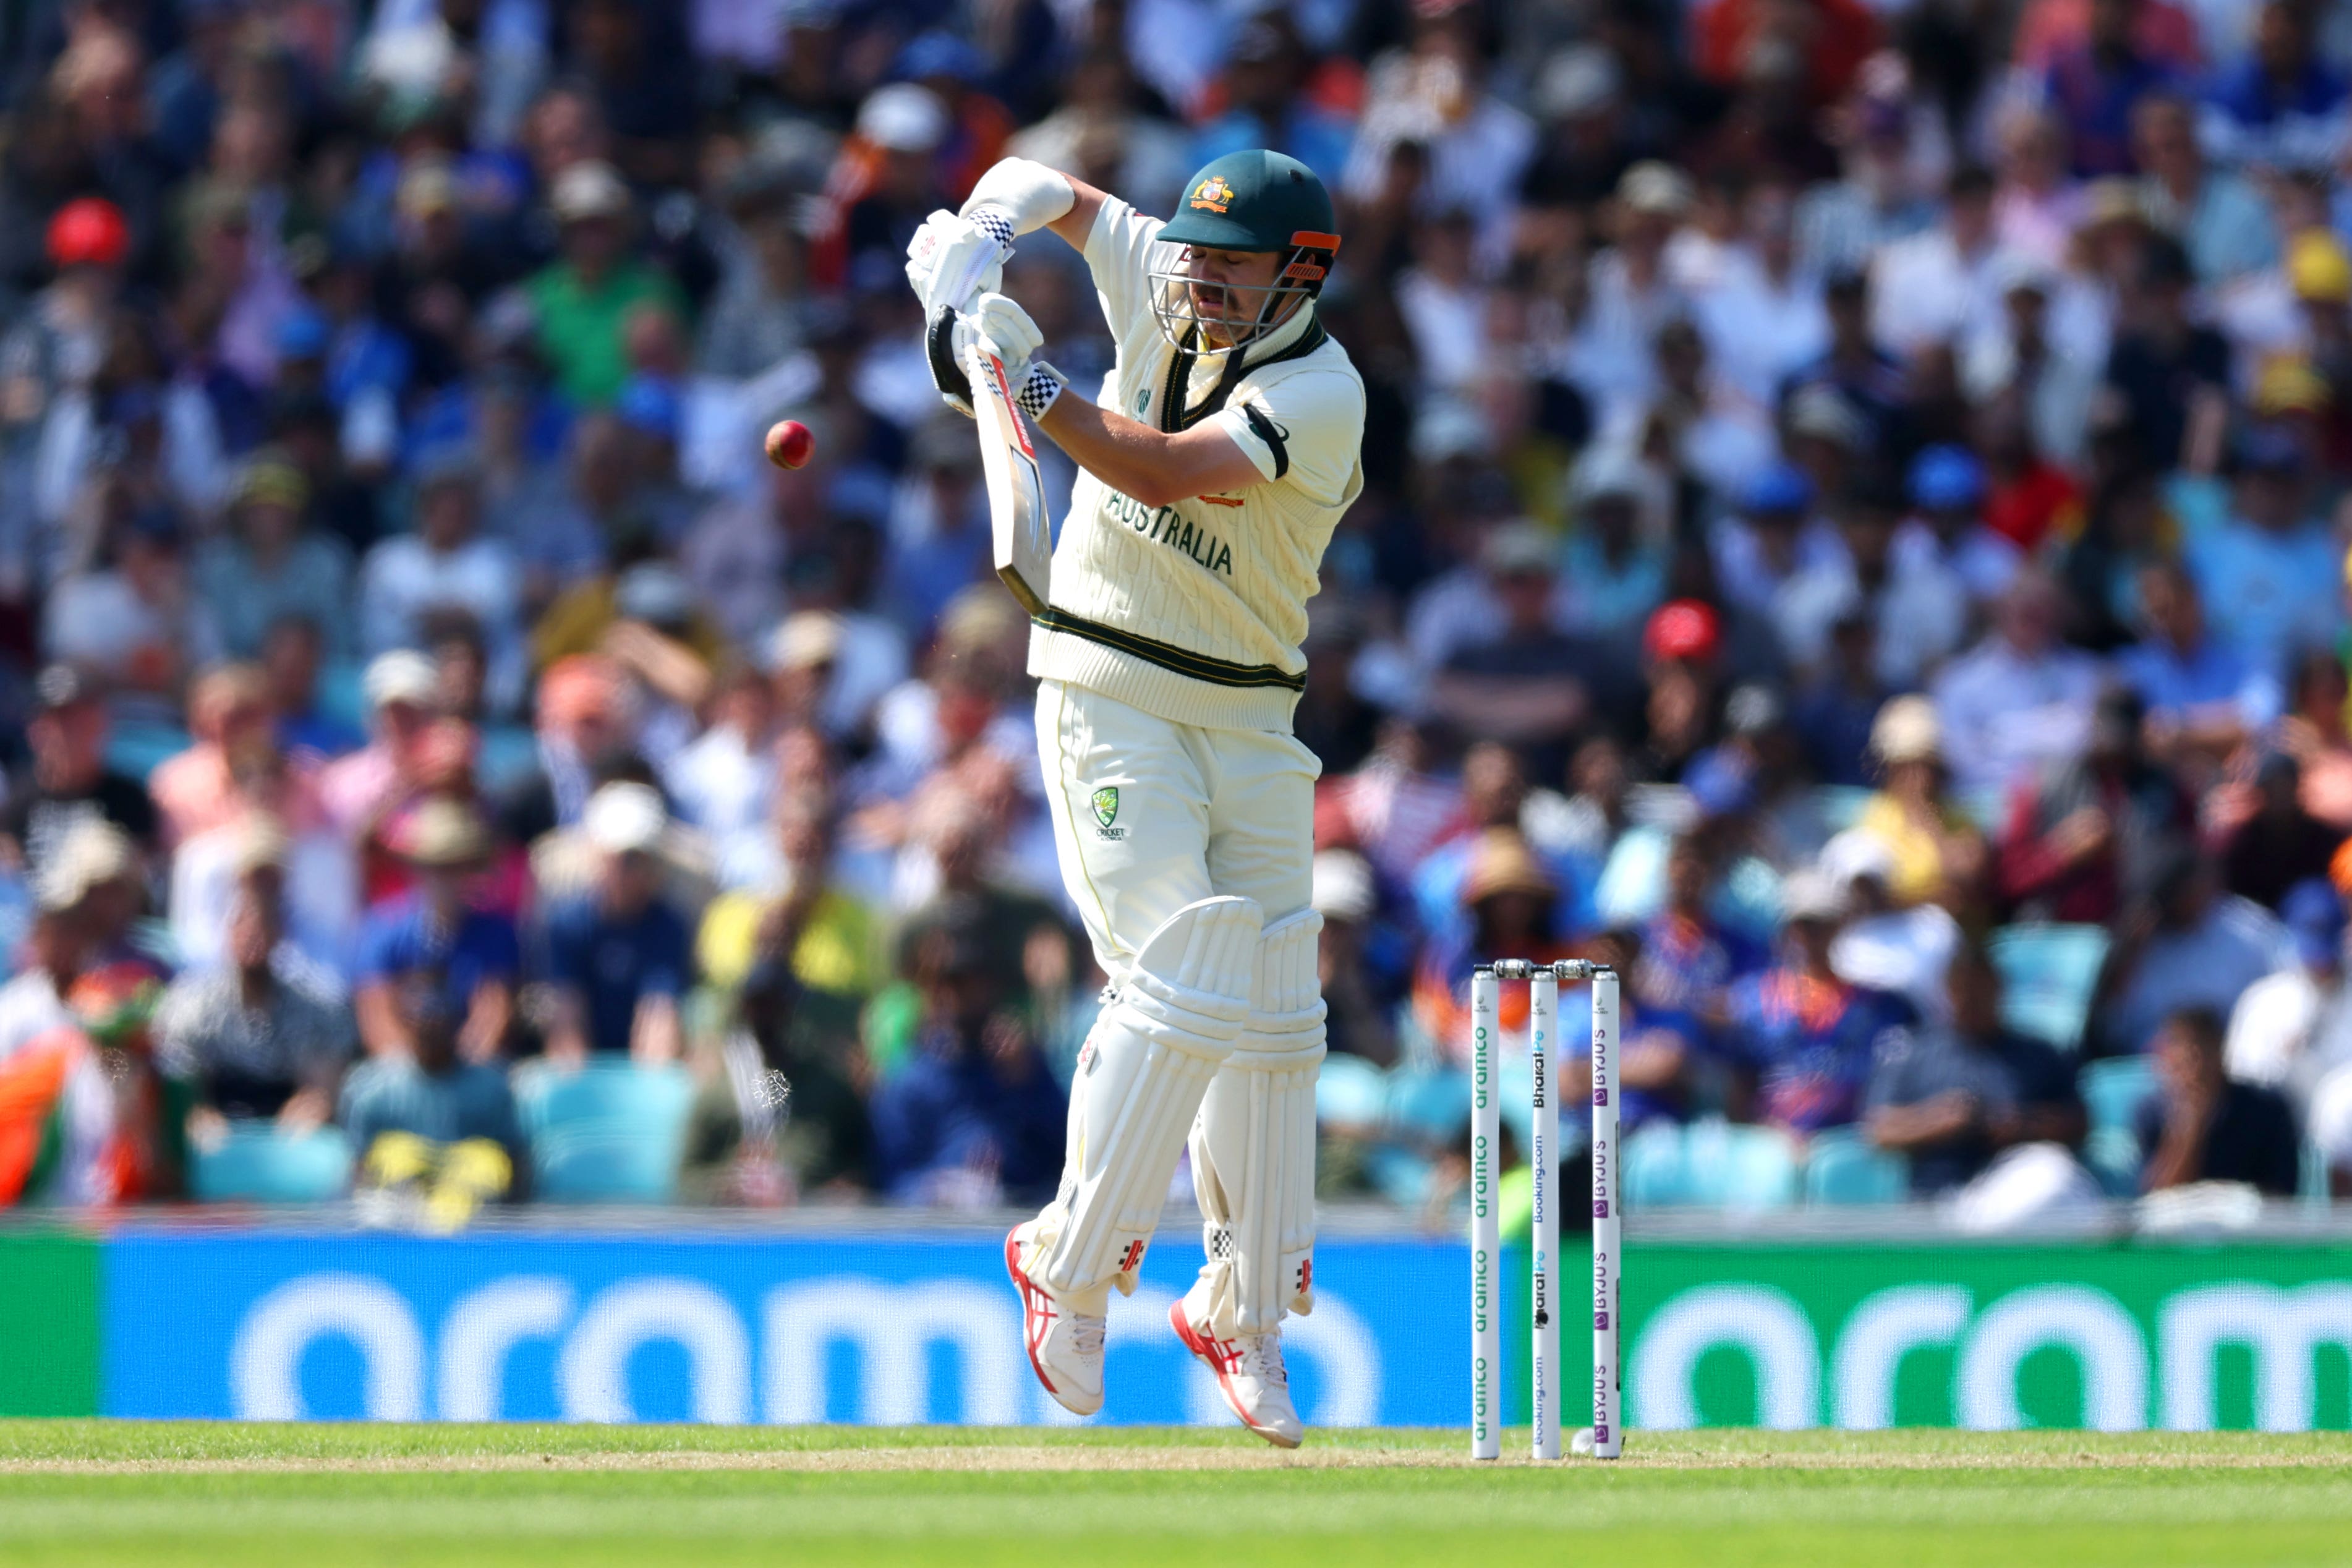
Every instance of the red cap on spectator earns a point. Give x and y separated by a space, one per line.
88 232
1684 630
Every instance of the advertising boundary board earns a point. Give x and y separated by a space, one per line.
48 1325
900 1326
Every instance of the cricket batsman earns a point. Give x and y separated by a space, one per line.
1220 452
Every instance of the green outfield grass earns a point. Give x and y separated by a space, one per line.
350 1496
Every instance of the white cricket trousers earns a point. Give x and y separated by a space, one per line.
1150 816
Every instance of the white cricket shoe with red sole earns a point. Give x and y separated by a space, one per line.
1065 1348
1250 1376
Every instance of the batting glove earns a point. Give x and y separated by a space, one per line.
1007 331
951 258
1006 328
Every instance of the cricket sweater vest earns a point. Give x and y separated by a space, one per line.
1194 612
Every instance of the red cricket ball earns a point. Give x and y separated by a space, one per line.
789 443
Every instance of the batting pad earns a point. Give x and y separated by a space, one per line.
1253 1148
1140 1079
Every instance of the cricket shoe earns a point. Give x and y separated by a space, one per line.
1250 1376
1065 1348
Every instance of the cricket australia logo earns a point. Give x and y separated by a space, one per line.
1106 809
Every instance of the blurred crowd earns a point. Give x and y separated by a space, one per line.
1854 533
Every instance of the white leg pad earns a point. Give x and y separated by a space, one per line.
1253 1148
1140 1079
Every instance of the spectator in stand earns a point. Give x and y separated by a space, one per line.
401 689
970 1121
446 563
290 653
435 931
2271 571
2170 374
2094 85
2020 700
1359 1020
2202 700
229 717
2188 944
1946 526
264 1036
1935 851
1906 949
2203 1126
619 957
1805 1039
2084 843
437 1136
2222 220
266 566
2269 842
1953 1096
2278 1022
1689 958
1517 685
130 619
68 778
580 303
1509 901
784 884
2281 105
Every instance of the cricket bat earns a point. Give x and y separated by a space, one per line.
1022 528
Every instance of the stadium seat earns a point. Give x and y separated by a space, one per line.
342 694
1841 804
1743 1169
611 1133
1349 1092
1429 1106
257 1164
2112 1092
2048 974
1654 1167
1402 1177
1841 1169
137 749
2112 1089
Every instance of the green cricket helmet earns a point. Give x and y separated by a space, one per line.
1257 200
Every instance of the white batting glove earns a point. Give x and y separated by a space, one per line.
1007 329
951 260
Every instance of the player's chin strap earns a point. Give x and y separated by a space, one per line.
1039 385
1174 416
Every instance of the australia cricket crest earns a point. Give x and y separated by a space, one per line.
1105 803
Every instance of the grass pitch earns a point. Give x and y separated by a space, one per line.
352 1496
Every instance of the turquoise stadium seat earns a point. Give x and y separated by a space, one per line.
1841 804
137 750
1351 1092
1747 1170
611 1133
2114 1087
1842 1170
256 1165
1429 1106
341 693
2112 1092
2048 974
1654 1167
1710 1165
